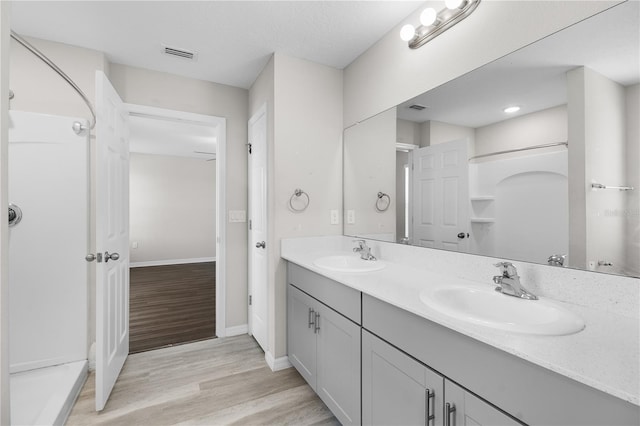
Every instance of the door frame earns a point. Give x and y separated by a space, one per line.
262 110
221 160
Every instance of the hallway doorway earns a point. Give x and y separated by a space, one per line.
175 240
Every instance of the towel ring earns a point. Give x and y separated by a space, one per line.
381 196
297 194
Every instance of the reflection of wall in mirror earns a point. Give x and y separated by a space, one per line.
369 168
632 212
598 133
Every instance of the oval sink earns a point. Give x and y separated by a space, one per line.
347 263
496 310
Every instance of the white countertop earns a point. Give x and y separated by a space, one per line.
605 355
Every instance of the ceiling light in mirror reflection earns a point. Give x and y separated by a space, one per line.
512 109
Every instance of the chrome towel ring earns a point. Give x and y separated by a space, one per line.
381 205
297 194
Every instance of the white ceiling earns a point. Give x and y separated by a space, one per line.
535 76
233 39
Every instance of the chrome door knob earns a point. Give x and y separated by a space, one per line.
261 244
90 257
112 256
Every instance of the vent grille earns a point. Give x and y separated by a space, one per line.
179 53
417 107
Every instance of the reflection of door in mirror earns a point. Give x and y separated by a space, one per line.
440 196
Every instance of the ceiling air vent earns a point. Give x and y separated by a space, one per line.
179 53
417 107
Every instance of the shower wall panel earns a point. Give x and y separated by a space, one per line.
49 181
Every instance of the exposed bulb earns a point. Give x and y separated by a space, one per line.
453 4
407 32
428 17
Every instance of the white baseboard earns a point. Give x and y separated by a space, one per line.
171 262
276 364
236 330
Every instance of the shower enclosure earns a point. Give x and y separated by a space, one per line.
48 274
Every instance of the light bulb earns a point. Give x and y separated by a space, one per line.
428 17
407 32
511 109
453 4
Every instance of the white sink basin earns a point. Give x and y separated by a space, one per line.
487 307
348 263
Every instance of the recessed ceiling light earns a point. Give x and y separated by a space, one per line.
511 109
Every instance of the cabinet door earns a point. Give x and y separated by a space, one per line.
338 365
301 337
395 386
469 410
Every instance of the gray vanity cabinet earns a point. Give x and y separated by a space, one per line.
301 334
396 389
323 344
462 408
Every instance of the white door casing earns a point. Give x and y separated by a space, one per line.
258 249
112 236
441 196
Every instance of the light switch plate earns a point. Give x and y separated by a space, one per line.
236 216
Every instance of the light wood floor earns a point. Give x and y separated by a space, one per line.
214 382
171 304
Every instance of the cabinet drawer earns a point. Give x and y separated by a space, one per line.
339 297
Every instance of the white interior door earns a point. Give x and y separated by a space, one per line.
441 196
258 250
112 238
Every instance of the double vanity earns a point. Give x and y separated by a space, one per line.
397 340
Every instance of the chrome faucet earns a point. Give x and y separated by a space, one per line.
364 250
557 259
509 282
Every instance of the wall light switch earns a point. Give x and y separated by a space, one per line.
351 217
236 216
134 245
335 218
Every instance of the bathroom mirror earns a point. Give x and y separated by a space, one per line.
556 181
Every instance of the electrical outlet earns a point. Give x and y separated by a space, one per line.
335 218
351 217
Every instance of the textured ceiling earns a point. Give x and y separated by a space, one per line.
233 39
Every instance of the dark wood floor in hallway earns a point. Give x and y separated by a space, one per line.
171 304
214 382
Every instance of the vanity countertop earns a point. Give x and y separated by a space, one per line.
605 355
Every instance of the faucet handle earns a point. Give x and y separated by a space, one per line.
507 269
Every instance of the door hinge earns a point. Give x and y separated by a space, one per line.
249 147
250 225
250 300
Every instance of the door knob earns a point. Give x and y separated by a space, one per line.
90 257
261 244
462 235
112 256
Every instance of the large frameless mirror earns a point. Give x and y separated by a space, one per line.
533 157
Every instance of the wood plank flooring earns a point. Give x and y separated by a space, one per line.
171 304
214 382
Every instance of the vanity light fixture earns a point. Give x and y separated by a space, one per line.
435 23
511 109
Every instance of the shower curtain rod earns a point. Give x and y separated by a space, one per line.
520 149
77 127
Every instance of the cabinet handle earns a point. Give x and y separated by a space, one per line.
429 395
449 410
311 317
317 323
